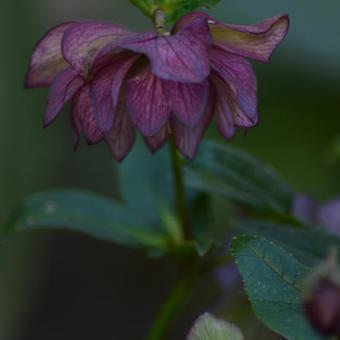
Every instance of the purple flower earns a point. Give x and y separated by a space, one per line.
158 83
69 78
307 210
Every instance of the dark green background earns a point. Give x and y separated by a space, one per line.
63 286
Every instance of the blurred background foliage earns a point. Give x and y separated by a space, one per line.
64 286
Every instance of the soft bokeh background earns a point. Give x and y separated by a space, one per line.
56 285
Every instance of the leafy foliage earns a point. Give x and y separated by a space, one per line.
272 277
146 6
309 245
90 214
173 9
142 219
207 327
220 169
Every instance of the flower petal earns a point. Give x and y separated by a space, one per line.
187 100
82 40
329 216
180 57
156 141
105 89
83 118
47 60
187 139
256 42
147 102
64 86
241 85
305 209
223 111
122 135
188 19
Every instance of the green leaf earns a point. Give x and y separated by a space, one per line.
87 213
272 278
146 6
207 327
174 9
230 172
147 188
309 245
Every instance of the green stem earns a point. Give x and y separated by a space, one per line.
179 190
174 303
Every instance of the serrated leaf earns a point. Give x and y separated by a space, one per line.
87 213
272 278
207 327
309 245
230 172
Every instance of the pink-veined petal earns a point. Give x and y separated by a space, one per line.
47 59
223 111
180 57
82 40
122 135
147 102
241 85
64 86
83 118
187 100
257 42
156 141
187 139
106 86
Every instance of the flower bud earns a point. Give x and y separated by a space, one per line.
322 297
323 308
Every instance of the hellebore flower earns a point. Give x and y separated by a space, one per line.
181 79
154 82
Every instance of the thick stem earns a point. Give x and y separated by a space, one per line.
174 303
179 190
159 21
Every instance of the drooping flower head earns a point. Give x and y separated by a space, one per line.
156 83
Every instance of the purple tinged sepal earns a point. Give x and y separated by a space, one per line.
47 59
82 40
83 117
147 102
156 141
240 85
122 136
64 87
256 42
188 101
106 87
187 139
182 57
